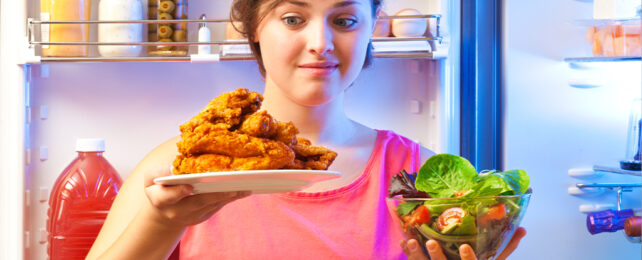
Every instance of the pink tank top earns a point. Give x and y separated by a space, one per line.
352 222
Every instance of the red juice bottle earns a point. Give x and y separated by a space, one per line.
80 200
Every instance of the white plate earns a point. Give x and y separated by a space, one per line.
259 181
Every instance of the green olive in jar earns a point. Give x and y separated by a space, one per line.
166 6
179 36
165 31
165 47
165 16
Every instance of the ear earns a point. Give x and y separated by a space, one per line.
374 22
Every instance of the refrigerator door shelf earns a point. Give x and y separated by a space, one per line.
588 208
594 192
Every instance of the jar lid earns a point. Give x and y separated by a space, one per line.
90 145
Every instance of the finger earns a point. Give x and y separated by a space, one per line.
412 250
512 244
153 173
434 250
466 252
161 196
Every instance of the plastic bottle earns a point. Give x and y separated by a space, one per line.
204 36
69 10
615 220
120 32
80 200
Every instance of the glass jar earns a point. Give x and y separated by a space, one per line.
128 32
72 10
167 32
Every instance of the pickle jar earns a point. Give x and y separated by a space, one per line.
167 32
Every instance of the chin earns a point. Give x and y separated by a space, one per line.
312 96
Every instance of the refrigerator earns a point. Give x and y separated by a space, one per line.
496 87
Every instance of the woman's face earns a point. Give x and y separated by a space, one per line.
314 49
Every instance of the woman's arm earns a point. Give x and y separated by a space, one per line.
147 220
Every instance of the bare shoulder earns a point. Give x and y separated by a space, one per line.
162 154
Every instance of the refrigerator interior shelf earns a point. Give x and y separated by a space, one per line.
229 57
618 187
602 59
616 170
389 47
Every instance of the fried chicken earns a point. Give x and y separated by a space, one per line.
311 157
230 135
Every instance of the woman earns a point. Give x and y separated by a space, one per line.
309 52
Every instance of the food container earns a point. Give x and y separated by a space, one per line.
167 32
485 223
615 38
71 10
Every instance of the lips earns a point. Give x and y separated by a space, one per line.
319 69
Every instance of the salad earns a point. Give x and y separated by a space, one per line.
450 202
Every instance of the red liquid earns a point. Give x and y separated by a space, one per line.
78 205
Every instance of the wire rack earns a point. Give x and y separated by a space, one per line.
34 28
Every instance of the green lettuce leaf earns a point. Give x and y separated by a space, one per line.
517 180
466 227
405 208
443 175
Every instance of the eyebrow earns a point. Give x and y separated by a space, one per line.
339 4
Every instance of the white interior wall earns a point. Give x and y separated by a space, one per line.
551 127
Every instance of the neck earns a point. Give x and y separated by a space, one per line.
325 124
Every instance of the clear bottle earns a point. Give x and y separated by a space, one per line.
632 160
167 32
120 32
80 200
67 10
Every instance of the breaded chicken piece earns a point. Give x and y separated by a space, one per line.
261 124
229 135
311 157
226 110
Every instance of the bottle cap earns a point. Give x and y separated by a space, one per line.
632 226
203 17
90 145
607 220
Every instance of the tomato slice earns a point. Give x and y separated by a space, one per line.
449 217
495 212
421 215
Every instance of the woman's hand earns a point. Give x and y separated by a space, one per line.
413 251
177 206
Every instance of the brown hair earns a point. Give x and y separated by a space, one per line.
247 12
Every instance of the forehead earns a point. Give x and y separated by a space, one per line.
267 5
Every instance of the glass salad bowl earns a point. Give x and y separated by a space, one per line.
485 223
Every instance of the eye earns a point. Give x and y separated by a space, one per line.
345 22
292 20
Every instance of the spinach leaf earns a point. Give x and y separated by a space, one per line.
443 175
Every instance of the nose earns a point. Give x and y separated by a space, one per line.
320 40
